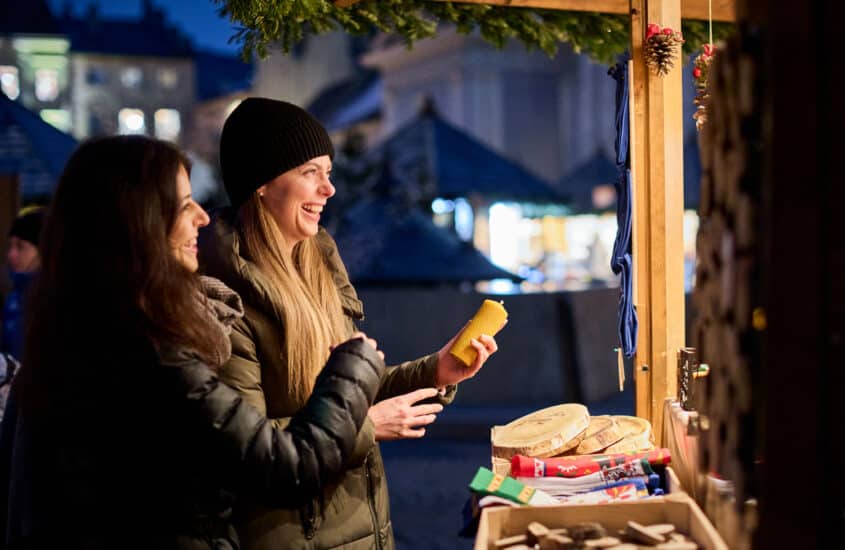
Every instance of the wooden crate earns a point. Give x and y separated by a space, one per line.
678 509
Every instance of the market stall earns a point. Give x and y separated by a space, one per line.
654 331
769 290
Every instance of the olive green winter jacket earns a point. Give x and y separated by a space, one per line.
353 514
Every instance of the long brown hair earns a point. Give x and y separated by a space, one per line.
303 286
107 268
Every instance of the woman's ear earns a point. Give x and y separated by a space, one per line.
261 190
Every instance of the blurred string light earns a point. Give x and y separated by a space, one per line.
442 206
464 219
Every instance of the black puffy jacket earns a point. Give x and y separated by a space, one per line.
149 455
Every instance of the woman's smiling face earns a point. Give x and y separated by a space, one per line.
296 199
189 218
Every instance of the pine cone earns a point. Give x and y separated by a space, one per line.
660 52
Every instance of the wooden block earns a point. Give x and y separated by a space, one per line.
535 532
604 542
559 531
586 531
555 541
638 532
677 545
664 529
507 542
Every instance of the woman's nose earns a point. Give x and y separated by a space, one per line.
202 217
327 187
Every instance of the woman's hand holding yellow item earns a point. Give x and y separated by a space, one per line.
452 371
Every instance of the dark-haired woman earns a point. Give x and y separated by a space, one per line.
119 434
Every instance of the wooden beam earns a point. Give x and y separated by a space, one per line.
657 172
640 244
723 10
602 6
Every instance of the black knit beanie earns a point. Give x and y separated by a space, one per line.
28 226
263 138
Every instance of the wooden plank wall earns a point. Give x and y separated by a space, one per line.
803 283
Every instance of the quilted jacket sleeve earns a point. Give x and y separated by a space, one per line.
243 373
286 467
413 375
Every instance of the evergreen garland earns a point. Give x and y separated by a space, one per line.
262 23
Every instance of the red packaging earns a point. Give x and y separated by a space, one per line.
581 465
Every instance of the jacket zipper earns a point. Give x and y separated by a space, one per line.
371 493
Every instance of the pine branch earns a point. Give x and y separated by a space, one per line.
261 24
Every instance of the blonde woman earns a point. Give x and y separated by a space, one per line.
269 247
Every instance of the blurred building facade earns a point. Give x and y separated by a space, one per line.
553 118
88 75
34 60
129 76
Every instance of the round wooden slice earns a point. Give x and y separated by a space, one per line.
544 433
602 432
637 435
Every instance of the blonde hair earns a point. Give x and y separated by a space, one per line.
303 286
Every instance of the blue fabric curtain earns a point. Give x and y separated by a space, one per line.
621 260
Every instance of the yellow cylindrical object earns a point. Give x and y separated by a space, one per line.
487 320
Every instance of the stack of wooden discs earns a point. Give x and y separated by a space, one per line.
566 430
544 433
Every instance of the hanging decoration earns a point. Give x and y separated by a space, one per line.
701 74
661 48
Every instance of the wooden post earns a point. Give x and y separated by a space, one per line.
657 172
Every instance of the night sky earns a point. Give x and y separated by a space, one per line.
197 18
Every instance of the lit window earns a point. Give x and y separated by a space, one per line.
504 234
131 121
10 81
168 124
131 77
46 84
60 118
168 78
